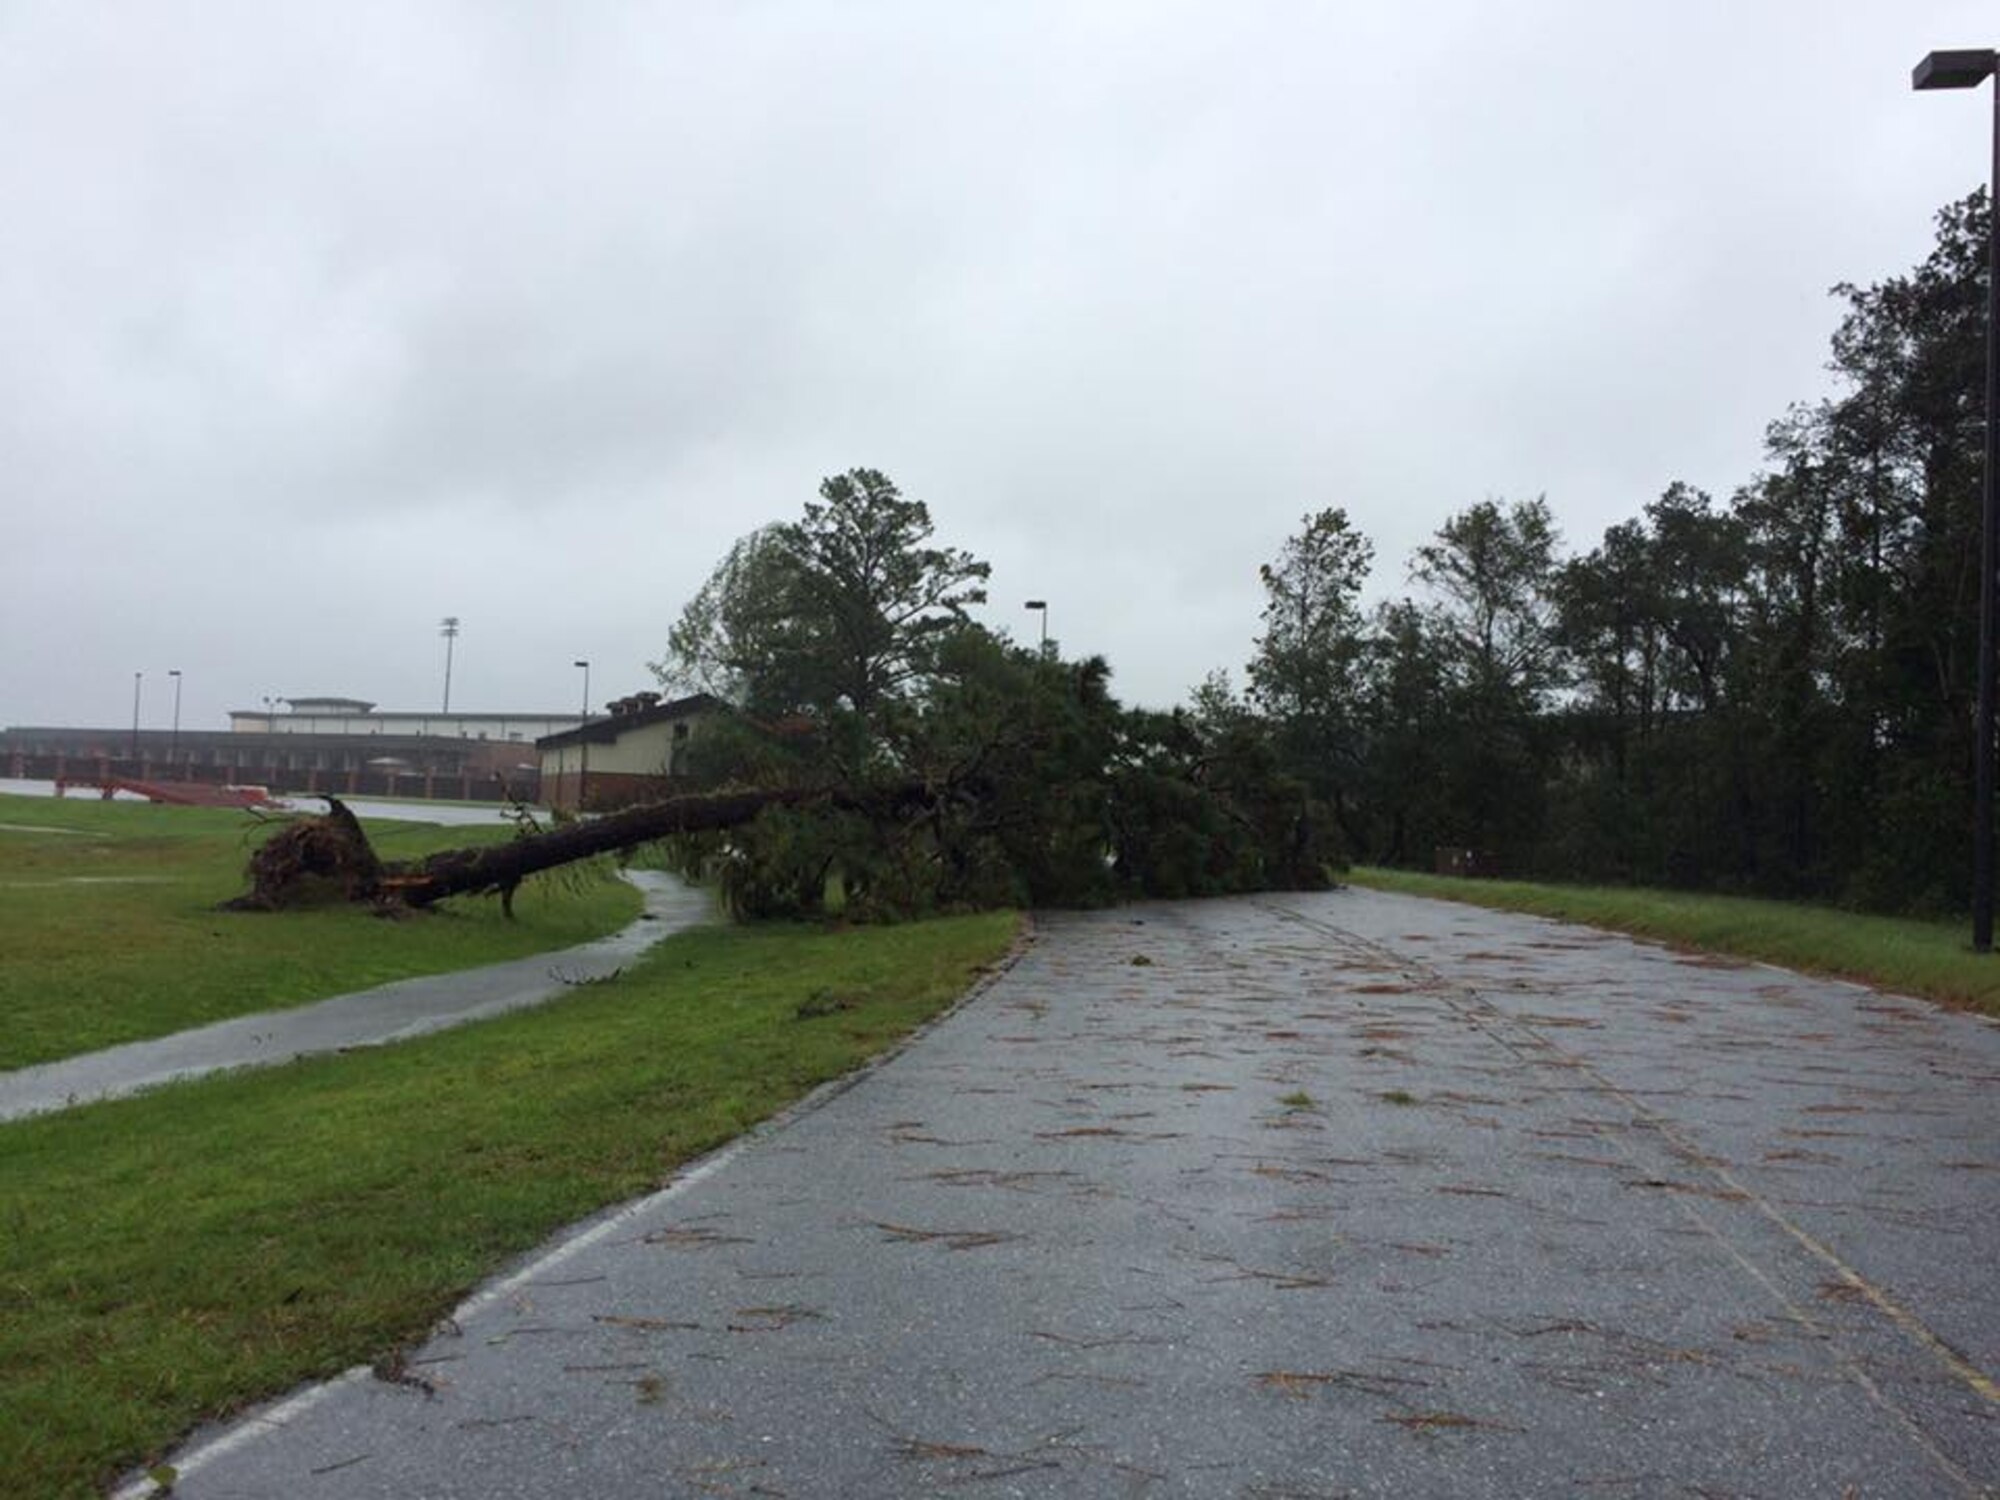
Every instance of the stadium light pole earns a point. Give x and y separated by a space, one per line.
137 678
583 741
1043 606
448 628
1965 69
174 744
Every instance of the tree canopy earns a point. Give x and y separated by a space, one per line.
840 610
843 638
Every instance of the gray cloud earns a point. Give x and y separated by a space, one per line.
327 321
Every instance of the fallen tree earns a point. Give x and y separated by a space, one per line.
330 852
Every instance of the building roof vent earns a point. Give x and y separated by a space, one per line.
637 703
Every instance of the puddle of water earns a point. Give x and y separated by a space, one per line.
453 814
19 788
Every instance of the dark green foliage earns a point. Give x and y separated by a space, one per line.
838 612
1491 570
1769 694
844 641
1780 690
1202 809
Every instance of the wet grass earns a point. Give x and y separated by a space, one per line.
166 1259
1932 959
109 933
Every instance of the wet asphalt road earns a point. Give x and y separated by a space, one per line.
366 1018
1342 1194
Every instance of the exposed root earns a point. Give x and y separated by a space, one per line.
312 859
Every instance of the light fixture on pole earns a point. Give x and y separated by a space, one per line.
1043 606
583 741
1965 69
174 744
137 678
448 628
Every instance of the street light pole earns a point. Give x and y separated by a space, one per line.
583 740
1965 69
1043 606
137 678
174 744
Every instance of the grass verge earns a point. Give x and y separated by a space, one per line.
166 1259
109 933
1932 959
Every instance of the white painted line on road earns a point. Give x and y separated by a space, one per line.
197 1458
600 1230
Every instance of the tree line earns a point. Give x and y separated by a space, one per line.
1771 692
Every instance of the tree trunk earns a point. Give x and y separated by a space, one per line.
502 867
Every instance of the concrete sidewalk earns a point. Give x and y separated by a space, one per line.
1341 1194
366 1018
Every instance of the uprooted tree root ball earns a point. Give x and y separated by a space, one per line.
323 857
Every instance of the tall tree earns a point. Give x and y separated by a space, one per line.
1608 624
876 596
1699 568
838 612
1307 674
1409 719
1491 571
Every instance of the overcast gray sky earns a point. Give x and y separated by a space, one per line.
322 322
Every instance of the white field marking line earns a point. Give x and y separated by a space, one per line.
1975 1379
75 833
28 885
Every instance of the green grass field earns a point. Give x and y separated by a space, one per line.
109 932
1933 959
167 1258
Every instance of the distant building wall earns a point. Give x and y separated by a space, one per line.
628 757
648 750
396 765
522 729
